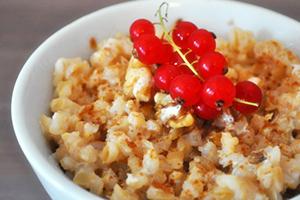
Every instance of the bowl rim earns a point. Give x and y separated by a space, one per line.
30 150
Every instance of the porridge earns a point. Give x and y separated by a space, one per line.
120 137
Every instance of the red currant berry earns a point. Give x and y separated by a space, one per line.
211 64
148 49
205 112
177 60
186 89
250 92
218 92
201 41
166 53
164 75
140 27
182 32
185 70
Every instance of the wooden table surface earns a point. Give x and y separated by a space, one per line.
24 24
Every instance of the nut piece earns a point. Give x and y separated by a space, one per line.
138 81
171 113
183 121
256 157
163 99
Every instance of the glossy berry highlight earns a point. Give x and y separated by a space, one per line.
201 41
148 49
211 64
182 32
141 27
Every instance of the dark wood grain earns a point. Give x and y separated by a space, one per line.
24 24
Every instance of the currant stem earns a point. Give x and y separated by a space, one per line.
170 40
246 102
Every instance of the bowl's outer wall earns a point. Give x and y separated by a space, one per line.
33 89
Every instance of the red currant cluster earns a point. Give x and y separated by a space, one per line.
191 70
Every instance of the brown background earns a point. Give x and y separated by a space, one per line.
24 24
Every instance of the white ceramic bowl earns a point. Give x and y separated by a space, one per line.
33 88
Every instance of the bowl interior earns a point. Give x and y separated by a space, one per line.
33 89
